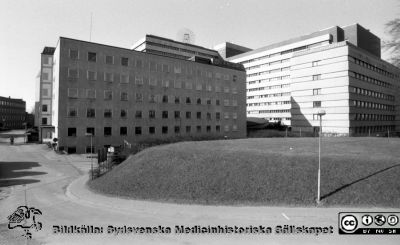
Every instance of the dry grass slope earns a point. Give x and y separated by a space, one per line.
277 171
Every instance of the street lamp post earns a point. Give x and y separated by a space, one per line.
320 114
91 153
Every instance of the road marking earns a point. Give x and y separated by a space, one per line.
286 217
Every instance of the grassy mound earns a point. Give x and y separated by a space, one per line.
283 171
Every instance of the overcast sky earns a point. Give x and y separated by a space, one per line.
26 26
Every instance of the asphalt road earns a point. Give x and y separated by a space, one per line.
55 184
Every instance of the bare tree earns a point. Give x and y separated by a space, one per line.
393 45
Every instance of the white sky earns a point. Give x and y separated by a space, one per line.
26 26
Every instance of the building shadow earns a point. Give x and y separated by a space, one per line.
300 122
11 171
357 181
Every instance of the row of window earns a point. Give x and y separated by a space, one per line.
267 88
269 71
269 103
370 80
372 129
4 118
153 82
273 111
10 104
9 111
270 79
153 98
152 66
372 105
372 93
123 131
180 49
373 117
267 64
108 113
373 67
286 52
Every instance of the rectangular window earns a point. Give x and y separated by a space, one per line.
139 97
73 54
124 113
177 114
234 115
90 149
90 112
90 131
164 130
208 116
208 101
234 127
72 92
315 63
72 73
226 115
91 75
138 80
188 114
218 128
45 92
124 61
152 114
226 128
198 114
107 113
188 129
44 108
107 131
316 104
123 131
177 129
109 59
316 91
91 94
226 89
226 102
108 95
217 115
108 77
188 101
234 78
177 84
165 83
72 112
124 78
188 85
217 102
234 103
124 96
198 101
138 114
153 82
152 130
199 86
165 114
152 98
316 77
208 129
72 132
44 121
165 99
198 129
92 56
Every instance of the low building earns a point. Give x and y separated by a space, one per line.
119 95
12 113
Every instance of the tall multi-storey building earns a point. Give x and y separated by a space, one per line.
12 113
338 70
44 92
118 94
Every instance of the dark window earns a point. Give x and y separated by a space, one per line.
123 130
198 129
124 113
109 59
91 112
199 101
152 114
188 114
218 116
165 99
177 114
316 104
165 114
234 78
218 128
208 128
124 61
177 129
71 149
164 130
208 116
208 101
108 113
138 130
90 149
188 129
90 131
188 101
217 102
92 56
198 115
73 54
107 131
72 132
152 130
177 100
138 114
44 108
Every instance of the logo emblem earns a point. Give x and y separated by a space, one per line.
25 218
349 223
380 219
393 220
367 220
